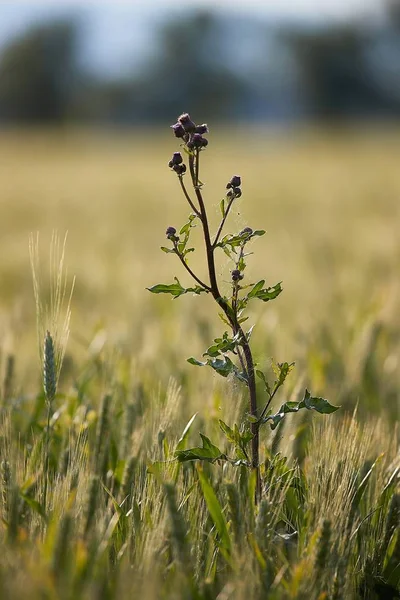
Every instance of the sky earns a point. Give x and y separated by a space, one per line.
118 33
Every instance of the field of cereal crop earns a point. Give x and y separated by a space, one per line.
120 516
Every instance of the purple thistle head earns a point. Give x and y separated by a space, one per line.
178 130
202 129
236 275
235 182
175 160
188 125
171 231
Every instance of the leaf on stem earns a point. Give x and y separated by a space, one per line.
175 289
320 405
265 294
223 366
263 378
208 452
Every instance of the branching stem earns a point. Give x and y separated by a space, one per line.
189 270
236 328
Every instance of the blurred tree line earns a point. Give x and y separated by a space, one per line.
199 63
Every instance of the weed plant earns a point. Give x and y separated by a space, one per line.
233 344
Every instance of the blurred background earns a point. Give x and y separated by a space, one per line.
134 63
302 98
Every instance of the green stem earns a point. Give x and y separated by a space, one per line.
47 458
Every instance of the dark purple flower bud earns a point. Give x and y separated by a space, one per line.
198 141
179 169
246 231
179 130
171 231
187 123
176 159
234 182
237 192
236 275
201 129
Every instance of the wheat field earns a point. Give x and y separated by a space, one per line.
93 504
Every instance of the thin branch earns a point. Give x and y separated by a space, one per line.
203 216
268 403
189 270
221 225
192 206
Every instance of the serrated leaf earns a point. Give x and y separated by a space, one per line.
318 404
321 405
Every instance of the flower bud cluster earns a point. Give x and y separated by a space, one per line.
191 134
176 163
236 275
234 187
170 233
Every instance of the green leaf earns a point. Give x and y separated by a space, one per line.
34 505
223 366
175 289
209 452
222 345
263 378
168 250
282 370
227 431
288 407
196 363
215 510
252 419
257 288
266 294
186 228
319 404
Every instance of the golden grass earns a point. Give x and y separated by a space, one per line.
329 201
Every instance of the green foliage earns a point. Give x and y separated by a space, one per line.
175 289
208 452
320 405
